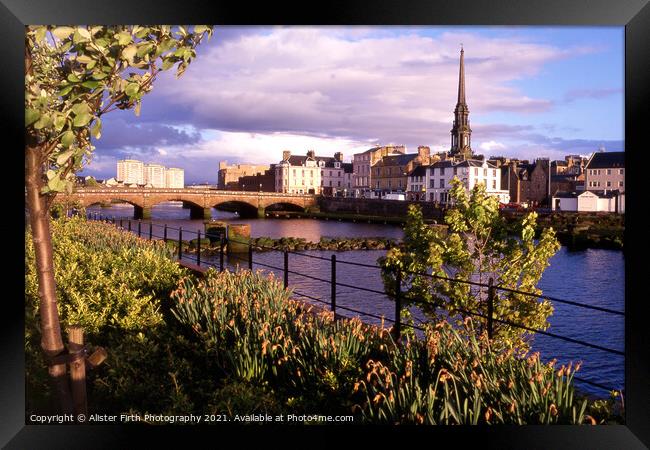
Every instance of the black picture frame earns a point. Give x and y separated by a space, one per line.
633 14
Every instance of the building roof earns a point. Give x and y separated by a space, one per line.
419 171
299 160
398 159
574 194
606 160
347 167
475 163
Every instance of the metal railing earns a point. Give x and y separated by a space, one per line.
397 296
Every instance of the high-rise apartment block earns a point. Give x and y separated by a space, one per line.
175 178
130 171
154 175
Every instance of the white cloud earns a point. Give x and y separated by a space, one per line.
491 146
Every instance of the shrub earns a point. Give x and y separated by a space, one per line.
309 360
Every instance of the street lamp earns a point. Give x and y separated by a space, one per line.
260 187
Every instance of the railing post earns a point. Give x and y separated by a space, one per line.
250 256
286 269
398 305
198 248
139 228
490 307
121 223
333 285
129 224
221 243
150 230
165 234
180 243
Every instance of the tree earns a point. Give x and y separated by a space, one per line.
476 247
73 76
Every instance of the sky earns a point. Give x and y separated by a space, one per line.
253 92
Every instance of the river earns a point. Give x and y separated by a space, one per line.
593 277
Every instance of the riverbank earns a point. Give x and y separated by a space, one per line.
340 216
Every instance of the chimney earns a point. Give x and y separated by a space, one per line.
338 156
424 151
286 154
311 154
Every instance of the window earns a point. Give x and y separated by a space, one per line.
620 184
620 172
494 184
303 173
339 183
485 172
330 173
442 182
609 171
455 170
432 184
476 171
330 183
494 172
294 172
609 183
442 171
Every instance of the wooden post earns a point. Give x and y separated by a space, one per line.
286 269
77 369
198 248
250 256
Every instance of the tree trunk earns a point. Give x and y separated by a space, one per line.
39 220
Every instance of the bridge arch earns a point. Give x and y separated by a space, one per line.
243 207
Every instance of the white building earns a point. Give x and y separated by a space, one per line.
130 171
174 178
590 201
435 183
154 174
301 174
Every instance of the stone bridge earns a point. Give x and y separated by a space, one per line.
200 200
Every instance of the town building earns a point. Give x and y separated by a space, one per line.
297 174
261 182
130 171
605 170
229 175
391 172
364 161
154 175
436 184
333 176
590 201
174 178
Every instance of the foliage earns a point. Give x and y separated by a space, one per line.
311 361
449 379
476 247
74 75
109 282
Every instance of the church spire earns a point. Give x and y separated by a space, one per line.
461 77
461 133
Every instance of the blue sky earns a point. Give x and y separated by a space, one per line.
255 91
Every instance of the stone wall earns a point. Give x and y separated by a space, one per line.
376 207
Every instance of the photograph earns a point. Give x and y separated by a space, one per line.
329 225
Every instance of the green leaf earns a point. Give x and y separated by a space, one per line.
59 122
68 138
63 92
73 78
82 120
63 157
99 76
40 33
80 108
96 129
84 59
90 84
200 29
50 174
144 49
129 52
62 32
124 38
132 89
168 63
31 116
43 122
142 32
80 35
56 184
